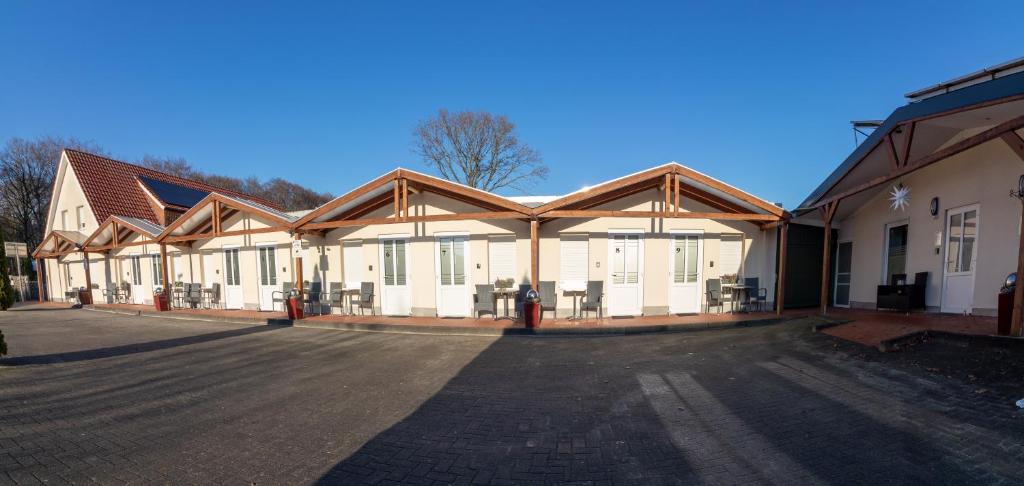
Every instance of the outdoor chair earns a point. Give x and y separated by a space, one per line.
548 298
483 301
757 297
312 298
194 295
281 296
126 292
521 298
336 297
593 298
713 297
365 297
901 296
214 295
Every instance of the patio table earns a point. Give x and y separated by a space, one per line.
350 294
505 294
737 290
575 290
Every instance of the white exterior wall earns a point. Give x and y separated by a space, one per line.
983 175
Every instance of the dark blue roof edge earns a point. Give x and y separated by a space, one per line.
996 89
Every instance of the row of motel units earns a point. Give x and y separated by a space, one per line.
934 188
653 237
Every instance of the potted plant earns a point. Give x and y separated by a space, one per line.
504 283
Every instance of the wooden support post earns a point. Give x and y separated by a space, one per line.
668 190
40 277
827 212
298 267
534 254
398 206
1018 293
88 274
116 238
216 217
163 269
405 199
780 291
676 204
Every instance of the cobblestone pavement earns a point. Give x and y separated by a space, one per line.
93 397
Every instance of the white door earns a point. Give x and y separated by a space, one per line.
686 257
395 296
625 292
233 297
961 257
844 266
450 256
138 290
266 260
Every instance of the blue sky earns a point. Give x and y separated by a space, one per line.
757 94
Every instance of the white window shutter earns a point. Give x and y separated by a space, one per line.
730 255
501 258
352 262
574 260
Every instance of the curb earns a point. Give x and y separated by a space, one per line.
897 343
819 326
469 331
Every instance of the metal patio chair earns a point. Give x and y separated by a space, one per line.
756 296
713 296
312 298
336 297
548 298
366 297
521 298
281 296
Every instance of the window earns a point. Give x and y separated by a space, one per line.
963 230
394 262
80 216
730 254
231 272
64 220
896 252
501 258
268 265
684 258
136 262
352 262
574 259
625 259
158 276
453 260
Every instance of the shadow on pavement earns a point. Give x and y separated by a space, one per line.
109 352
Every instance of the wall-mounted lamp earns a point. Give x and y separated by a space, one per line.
933 207
371 268
597 264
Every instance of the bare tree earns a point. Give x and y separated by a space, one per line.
27 169
478 149
175 166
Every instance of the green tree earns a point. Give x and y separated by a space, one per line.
6 290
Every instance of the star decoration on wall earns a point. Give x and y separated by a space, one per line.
899 197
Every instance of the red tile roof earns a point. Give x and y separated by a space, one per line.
112 186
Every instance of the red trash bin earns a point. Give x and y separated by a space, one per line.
1005 313
162 301
85 296
531 309
294 308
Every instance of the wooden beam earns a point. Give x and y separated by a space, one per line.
405 199
894 160
201 236
475 196
164 277
397 187
414 219
1018 293
780 288
732 191
827 213
676 204
88 273
967 143
597 213
1015 142
343 199
534 254
298 268
668 191
908 140
647 176
40 275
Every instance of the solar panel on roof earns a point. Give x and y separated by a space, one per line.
173 194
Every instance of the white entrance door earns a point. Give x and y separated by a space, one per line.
844 266
625 293
961 257
395 296
233 297
138 290
686 256
267 261
450 256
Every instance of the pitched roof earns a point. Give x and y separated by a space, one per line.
112 187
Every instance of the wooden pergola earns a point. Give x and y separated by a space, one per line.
913 138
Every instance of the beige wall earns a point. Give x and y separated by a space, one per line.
984 175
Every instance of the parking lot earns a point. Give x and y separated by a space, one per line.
91 396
